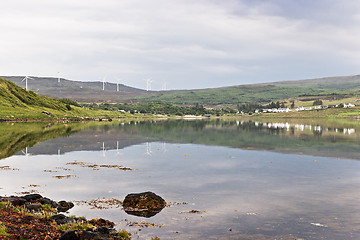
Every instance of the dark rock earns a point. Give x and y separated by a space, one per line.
18 201
64 206
34 207
32 197
146 204
62 219
103 230
52 203
82 235
102 222
90 235
70 235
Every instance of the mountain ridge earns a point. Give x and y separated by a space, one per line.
247 93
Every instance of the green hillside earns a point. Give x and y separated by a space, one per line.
90 92
18 103
339 87
14 96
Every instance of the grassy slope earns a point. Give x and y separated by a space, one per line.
17 103
229 95
263 93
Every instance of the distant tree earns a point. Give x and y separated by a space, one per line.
317 102
292 104
68 107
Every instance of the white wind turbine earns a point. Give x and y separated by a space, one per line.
58 77
103 83
26 78
148 84
117 85
163 86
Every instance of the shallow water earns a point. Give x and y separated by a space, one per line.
246 180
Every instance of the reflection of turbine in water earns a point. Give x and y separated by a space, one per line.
103 147
26 152
164 147
148 148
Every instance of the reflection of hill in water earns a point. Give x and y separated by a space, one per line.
15 137
286 138
87 140
318 140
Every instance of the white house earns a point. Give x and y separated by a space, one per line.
283 110
347 105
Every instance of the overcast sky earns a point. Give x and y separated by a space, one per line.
186 44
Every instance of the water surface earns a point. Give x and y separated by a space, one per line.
244 180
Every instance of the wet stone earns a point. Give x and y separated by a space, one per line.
49 202
64 206
70 235
146 204
32 197
62 219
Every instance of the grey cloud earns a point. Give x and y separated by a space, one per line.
188 44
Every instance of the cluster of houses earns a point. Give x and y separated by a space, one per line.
279 110
301 127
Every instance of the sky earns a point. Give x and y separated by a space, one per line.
180 44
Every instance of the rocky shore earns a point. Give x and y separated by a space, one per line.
36 217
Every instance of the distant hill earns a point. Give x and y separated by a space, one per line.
251 93
261 93
76 90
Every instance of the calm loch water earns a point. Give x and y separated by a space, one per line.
221 179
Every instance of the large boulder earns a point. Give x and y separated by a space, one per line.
146 204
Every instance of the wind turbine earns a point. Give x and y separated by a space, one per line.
58 77
164 86
103 83
117 85
148 84
26 81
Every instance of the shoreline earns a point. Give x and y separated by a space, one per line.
33 216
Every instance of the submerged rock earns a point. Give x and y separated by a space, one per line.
146 204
